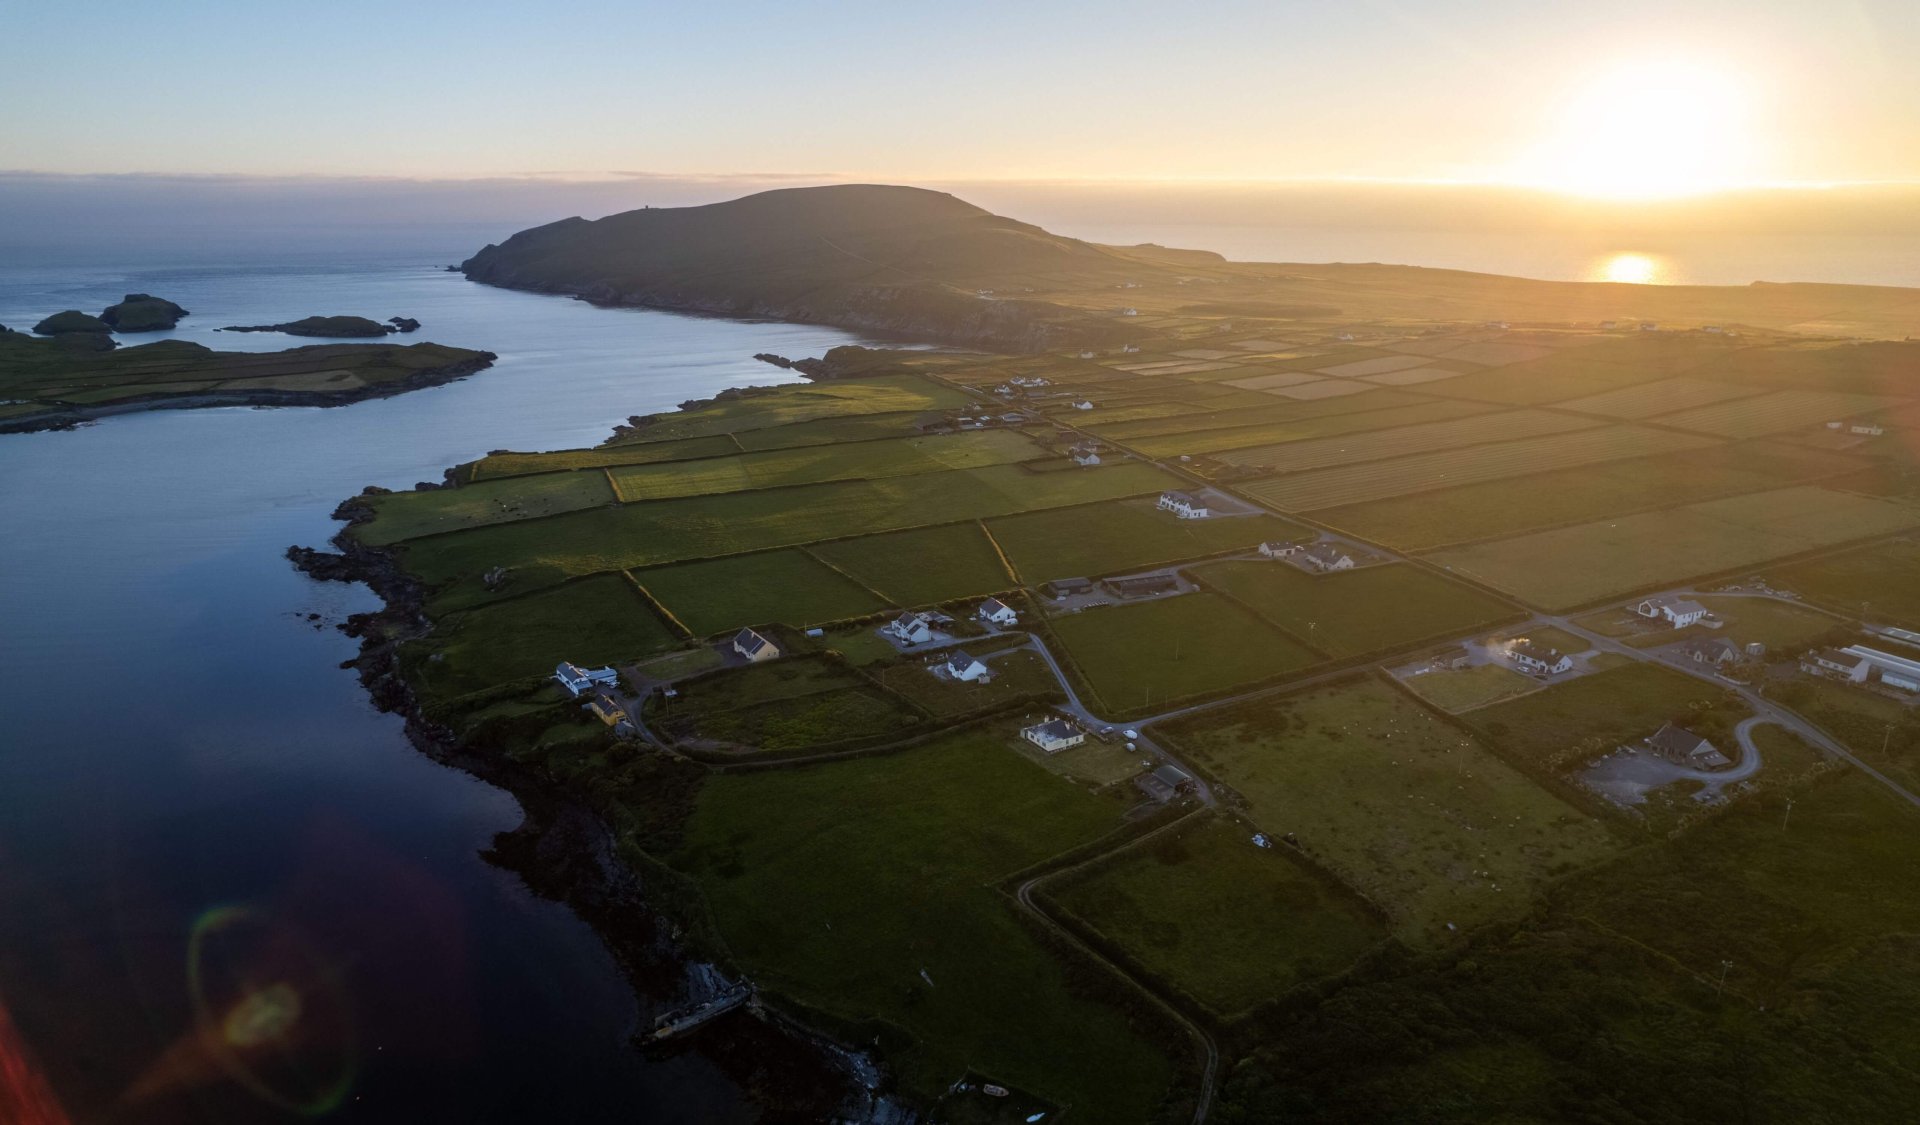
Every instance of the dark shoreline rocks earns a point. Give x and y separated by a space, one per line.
332 327
565 851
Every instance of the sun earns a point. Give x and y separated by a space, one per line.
1647 130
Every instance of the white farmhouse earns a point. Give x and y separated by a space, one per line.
1083 404
909 629
577 679
1084 454
1324 557
1185 506
1054 736
996 612
1281 548
1532 658
965 668
754 647
1677 612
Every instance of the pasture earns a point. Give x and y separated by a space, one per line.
594 621
1456 690
1016 676
923 566
1772 413
1661 548
1122 535
1238 433
1493 509
813 464
1781 626
1379 480
1666 396
1400 441
1142 658
791 704
1884 578
403 515
1229 924
1406 808
1279 412
519 464
800 402
1349 613
863 889
663 531
786 586
1569 723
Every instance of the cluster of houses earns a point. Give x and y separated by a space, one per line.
1858 664
1864 429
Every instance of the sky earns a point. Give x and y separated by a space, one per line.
1632 97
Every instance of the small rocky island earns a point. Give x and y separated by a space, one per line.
333 327
136 312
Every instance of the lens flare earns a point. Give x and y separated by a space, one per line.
1629 269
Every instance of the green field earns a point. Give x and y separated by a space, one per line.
1813 1021
1570 723
516 464
1351 612
403 515
1781 626
1143 658
1402 805
924 566
825 431
1278 413
805 402
1772 413
1230 924
1661 548
1497 508
812 464
1885 578
792 704
1016 676
1239 429
1457 690
787 587
1664 397
840 885
1584 372
1448 468
1401 441
1121 536
591 622
662 531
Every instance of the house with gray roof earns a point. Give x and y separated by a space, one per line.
1682 747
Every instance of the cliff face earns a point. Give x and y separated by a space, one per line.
888 260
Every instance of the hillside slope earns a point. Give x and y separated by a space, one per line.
868 257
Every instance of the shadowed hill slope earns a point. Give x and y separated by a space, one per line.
875 258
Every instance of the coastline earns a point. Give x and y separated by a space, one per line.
68 417
566 851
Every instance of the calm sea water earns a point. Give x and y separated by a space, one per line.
180 751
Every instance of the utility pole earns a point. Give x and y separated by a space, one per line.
1784 819
1724 966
